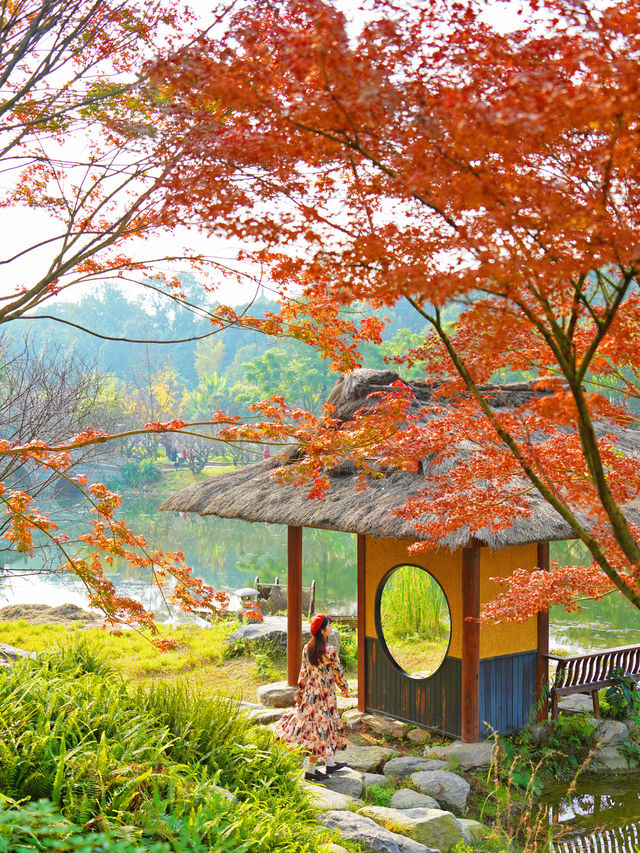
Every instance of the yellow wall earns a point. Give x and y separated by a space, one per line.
505 638
384 554
381 555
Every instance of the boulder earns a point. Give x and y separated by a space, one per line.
418 736
334 848
367 759
377 779
345 781
11 654
324 799
273 631
398 768
385 726
473 830
578 703
352 718
279 694
432 827
469 756
406 798
449 789
611 732
359 828
607 759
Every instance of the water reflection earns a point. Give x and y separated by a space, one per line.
598 816
226 553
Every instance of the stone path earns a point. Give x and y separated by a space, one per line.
425 820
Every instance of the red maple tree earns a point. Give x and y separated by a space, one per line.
415 151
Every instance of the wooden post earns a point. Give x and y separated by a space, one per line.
542 665
361 621
294 603
470 644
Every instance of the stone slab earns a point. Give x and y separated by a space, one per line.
324 799
405 765
467 756
385 725
352 718
367 759
433 827
449 789
377 779
407 798
362 829
345 781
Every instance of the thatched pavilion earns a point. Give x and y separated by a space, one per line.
491 674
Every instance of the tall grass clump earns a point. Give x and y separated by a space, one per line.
413 603
150 768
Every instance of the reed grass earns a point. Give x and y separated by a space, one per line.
413 603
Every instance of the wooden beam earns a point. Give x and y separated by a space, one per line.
542 664
470 645
361 620
294 603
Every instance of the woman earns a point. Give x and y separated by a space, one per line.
315 723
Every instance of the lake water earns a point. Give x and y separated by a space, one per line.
228 554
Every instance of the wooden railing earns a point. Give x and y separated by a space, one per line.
590 673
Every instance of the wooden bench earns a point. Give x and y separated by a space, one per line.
589 673
272 597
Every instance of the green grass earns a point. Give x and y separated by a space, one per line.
201 655
140 767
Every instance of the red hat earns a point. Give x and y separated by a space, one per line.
318 622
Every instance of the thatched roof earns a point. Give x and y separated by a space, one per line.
252 494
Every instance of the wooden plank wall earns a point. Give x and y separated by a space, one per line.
434 702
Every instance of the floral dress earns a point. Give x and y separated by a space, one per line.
315 723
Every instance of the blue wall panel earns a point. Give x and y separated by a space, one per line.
507 692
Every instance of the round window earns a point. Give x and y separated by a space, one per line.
414 620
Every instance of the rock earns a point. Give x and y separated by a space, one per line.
357 827
385 726
406 798
11 654
279 694
433 827
611 732
473 830
273 630
266 716
607 759
345 781
324 799
345 703
352 718
578 703
398 768
469 756
367 759
418 736
449 789
334 848
371 779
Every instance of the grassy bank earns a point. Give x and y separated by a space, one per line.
86 755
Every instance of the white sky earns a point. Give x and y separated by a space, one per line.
19 225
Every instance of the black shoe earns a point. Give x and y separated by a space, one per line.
316 776
337 766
